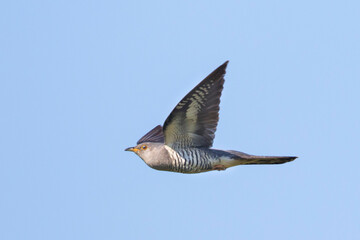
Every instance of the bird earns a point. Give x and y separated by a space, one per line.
184 143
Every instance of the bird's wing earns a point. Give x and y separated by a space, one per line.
193 121
154 135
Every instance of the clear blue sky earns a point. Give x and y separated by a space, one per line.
82 80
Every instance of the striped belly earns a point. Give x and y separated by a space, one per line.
190 160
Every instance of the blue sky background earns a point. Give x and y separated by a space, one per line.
82 80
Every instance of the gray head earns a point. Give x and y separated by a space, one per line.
153 154
147 150
150 148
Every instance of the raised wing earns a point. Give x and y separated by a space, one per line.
193 121
155 135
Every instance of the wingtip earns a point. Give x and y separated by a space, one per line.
225 63
221 68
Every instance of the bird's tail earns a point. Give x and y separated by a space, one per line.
251 159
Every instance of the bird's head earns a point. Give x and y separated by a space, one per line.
149 145
147 150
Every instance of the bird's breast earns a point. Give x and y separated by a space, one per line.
189 160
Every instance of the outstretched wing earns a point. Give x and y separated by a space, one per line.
193 121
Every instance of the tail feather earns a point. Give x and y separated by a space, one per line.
251 159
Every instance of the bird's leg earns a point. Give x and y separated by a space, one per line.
219 167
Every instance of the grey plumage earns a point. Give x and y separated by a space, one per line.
184 143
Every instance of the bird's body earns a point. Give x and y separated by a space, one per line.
197 160
191 160
184 143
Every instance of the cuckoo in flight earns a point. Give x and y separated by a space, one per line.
184 142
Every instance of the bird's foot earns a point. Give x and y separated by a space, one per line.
219 167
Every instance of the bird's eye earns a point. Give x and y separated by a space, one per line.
143 147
